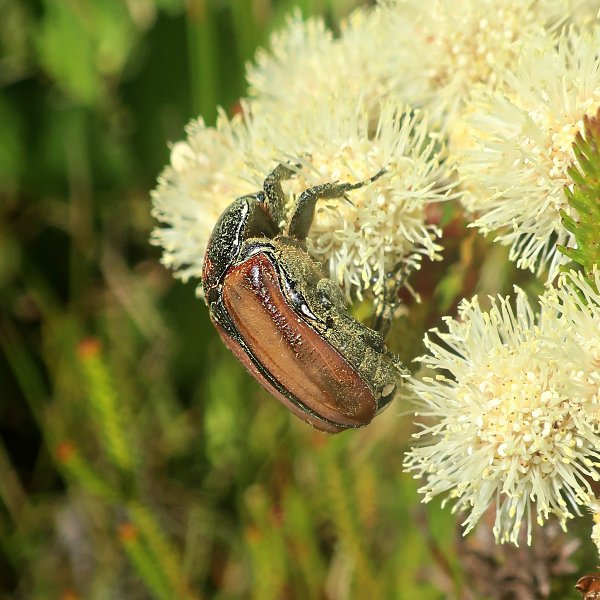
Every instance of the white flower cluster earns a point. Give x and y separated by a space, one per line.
337 140
336 107
475 99
205 173
461 44
509 139
514 408
514 145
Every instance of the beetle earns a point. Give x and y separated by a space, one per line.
284 320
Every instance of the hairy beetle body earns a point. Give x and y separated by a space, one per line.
287 323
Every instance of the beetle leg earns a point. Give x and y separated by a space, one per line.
382 320
387 303
274 196
304 211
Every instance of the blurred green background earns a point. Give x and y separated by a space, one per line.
137 457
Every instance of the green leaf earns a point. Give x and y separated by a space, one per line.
584 198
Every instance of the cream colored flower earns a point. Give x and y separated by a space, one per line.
513 409
204 177
385 224
523 132
306 64
334 140
293 65
462 43
577 303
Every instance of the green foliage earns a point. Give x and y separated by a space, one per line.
584 198
81 46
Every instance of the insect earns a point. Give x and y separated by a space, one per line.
284 320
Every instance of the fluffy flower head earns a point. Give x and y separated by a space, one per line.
524 133
306 64
358 242
460 44
203 178
385 223
517 417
